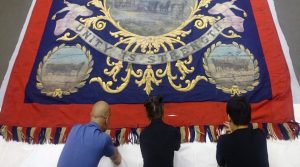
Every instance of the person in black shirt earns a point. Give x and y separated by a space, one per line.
243 146
158 141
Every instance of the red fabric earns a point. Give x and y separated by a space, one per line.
16 113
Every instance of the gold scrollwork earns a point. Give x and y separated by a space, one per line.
233 89
107 86
183 69
59 92
189 84
115 70
66 37
203 21
149 44
147 77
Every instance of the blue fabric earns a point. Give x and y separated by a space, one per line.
28 136
284 132
85 146
203 91
15 133
57 135
42 137
192 133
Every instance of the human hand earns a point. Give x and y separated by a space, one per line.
227 128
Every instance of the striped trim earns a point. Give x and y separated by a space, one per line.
197 133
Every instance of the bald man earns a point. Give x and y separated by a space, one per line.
87 143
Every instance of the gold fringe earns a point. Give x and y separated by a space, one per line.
122 136
138 131
197 133
48 135
4 132
255 125
289 130
271 131
182 132
21 136
31 141
62 133
213 133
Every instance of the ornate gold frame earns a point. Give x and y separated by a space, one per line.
59 92
148 45
234 89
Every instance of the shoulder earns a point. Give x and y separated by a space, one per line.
170 127
104 139
144 132
224 138
105 136
75 128
224 142
107 139
98 134
78 126
259 134
172 131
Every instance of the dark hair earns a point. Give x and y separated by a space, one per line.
239 110
154 107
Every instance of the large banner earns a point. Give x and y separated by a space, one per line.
194 53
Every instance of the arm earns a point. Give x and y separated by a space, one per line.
266 155
177 140
219 155
264 151
112 152
142 147
116 158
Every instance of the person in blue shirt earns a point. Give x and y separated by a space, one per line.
87 143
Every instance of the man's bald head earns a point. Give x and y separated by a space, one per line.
101 108
100 113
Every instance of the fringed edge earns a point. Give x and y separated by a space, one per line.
196 133
35 135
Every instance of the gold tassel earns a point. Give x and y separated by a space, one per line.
21 136
122 136
271 131
197 133
289 130
182 132
213 133
31 140
62 133
48 135
255 125
4 132
138 131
